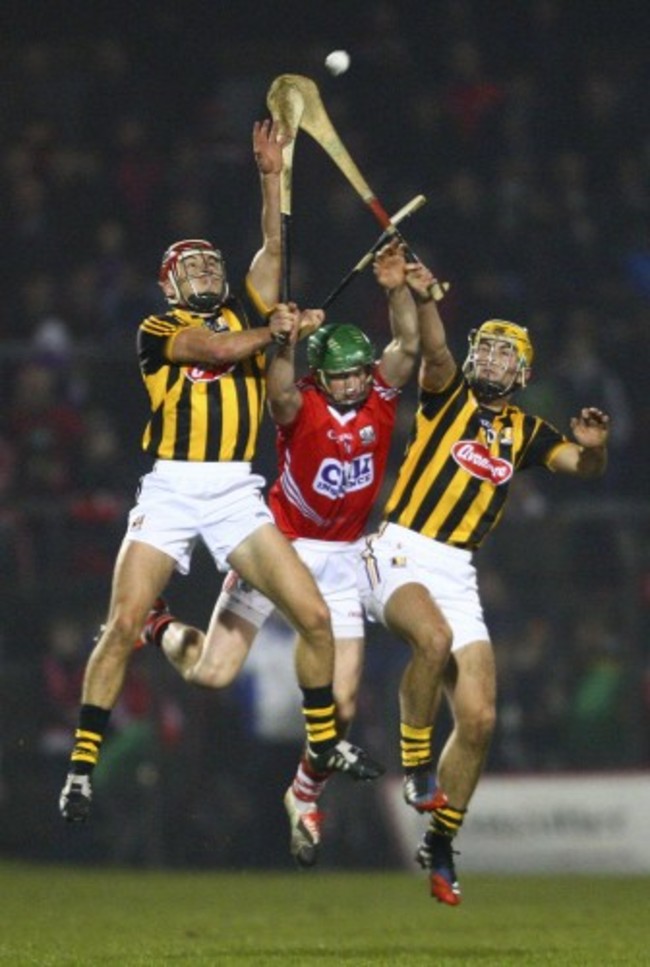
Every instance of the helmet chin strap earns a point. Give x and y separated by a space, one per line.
207 301
486 390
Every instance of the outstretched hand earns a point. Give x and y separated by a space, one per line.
420 280
310 321
268 141
389 265
591 427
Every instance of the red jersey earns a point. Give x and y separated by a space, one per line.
332 463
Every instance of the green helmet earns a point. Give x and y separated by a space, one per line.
337 348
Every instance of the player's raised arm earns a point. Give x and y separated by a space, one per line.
284 398
437 365
398 358
264 272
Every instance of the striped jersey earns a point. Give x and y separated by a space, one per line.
199 412
459 461
332 464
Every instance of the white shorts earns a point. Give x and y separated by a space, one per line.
334 568
181 502
397 556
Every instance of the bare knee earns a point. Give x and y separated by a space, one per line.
477 724
431 642
312 621
121 631
411 614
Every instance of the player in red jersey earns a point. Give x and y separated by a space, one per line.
334 428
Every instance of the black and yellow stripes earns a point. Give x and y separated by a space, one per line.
447 820
88 738
321 727
453 482
319 711
415 746
86 747
199 413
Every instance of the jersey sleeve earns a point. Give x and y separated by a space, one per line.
431 402
155 336
544 441
386 391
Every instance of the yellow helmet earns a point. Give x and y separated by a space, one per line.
502 331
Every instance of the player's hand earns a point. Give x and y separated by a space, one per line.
268 141
310 321
283 322
389 265
591 427
420 281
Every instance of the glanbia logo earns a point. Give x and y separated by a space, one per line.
199 374
477 460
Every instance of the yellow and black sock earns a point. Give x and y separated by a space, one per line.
88 738
320 722
415 746
447 820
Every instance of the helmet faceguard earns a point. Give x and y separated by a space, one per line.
498 349
341 352
188 261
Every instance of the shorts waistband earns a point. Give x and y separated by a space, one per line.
396 532
330 547
224 469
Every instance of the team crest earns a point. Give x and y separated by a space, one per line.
367 434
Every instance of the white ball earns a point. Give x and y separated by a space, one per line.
337 62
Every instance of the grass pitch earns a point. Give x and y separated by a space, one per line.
69 916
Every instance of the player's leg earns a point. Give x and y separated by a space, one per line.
413 615
215 657
348 669
302 798
470 685
141 572
267 561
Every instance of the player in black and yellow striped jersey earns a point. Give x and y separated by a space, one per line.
200 412
467 441
203 366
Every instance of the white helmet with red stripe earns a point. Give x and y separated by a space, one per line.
184 265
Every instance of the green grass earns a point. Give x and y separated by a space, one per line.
62 915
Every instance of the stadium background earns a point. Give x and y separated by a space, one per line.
527 128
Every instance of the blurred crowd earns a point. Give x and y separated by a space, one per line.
526 127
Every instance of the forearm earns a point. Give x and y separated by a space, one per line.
281 373
283 396
271 215
433 340
218 348
403 319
